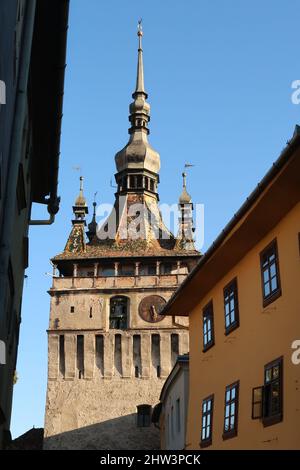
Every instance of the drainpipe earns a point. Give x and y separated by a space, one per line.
53 208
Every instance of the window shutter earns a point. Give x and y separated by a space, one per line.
257 402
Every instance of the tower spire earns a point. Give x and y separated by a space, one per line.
138 163
140 86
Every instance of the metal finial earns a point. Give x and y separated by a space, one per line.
140 28
81 183
184 179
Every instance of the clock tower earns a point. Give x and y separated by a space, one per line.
109 348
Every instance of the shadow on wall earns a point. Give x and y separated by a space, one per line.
114 434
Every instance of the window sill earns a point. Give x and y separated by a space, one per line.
208 346
232 327
206 443
270 420
271 298
229 434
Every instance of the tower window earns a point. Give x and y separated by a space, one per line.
151 185
72 309
62 365
231 308
80 356
155 354
118 313
166 268
108 271
126 270
131 181
270 273
137 356
144 416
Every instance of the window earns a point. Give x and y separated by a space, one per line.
118 313
207 418
80 356
126 270
267 399
144 416
72 309
272 395
108 271
62 364
166 268
178 420
147 270
231 308
231 410
208 327
270 273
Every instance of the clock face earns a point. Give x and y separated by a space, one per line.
150 308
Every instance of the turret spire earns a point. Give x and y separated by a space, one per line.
80 207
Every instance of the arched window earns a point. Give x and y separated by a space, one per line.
144 416
118 312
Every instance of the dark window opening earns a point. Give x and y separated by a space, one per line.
118 313
166 268
137 359
139 181
208 326
151 185
72 309
144 416
207 421
155 354
231 411
80 356
131 181
91 312
270 273
62 363
231 308
118 355
126 270
100 353
107 271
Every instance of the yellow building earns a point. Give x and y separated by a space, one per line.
243 303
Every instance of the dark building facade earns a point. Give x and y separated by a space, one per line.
32 67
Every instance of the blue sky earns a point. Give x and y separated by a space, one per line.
218 74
